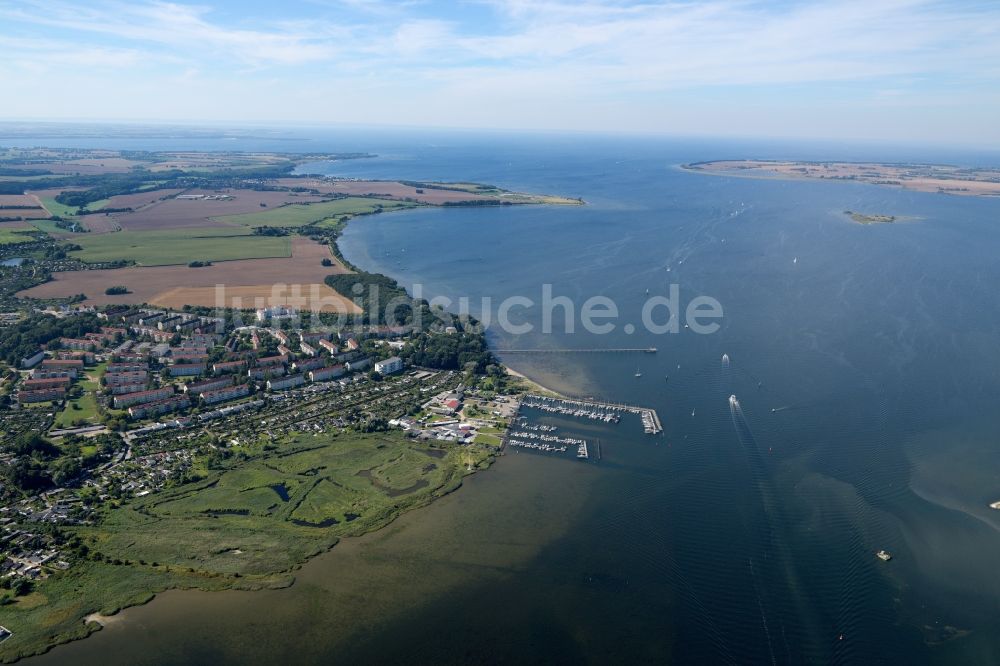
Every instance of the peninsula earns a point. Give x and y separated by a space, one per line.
944 179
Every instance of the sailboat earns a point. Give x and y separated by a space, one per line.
638 373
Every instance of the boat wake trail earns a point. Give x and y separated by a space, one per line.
763 615
771 566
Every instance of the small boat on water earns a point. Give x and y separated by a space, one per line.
884 555
638 373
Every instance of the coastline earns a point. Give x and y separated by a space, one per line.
533 386
94 617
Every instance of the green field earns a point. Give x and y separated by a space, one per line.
267 508
16 235
297 215
60 210
179 246
245 526
49 227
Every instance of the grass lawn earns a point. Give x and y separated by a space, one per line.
297 215
86 405
180 246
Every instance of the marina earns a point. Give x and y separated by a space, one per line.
607 412
537 446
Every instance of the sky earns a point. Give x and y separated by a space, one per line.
893 70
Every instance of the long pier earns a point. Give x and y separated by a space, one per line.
597 350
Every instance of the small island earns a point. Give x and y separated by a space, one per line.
863 218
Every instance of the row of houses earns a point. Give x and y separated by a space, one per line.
41 395
140 397
223 394
158 407
197 388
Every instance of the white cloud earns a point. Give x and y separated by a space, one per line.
528 63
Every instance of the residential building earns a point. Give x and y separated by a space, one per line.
271 360
187 370
129 399
266 372
38 384
326 373
389 366
77 344
159 407
285 383
121 389
119 378
229 393
71 366
41 395
228 367
33 359
308 364
360 364
197 388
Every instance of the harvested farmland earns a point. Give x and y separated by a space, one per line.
197 208
298 215
21 206
435 194
276 281
139 199
83 167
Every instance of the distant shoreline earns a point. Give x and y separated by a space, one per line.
931 178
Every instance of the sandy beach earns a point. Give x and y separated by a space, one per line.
535 386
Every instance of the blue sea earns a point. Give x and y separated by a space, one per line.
865 364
